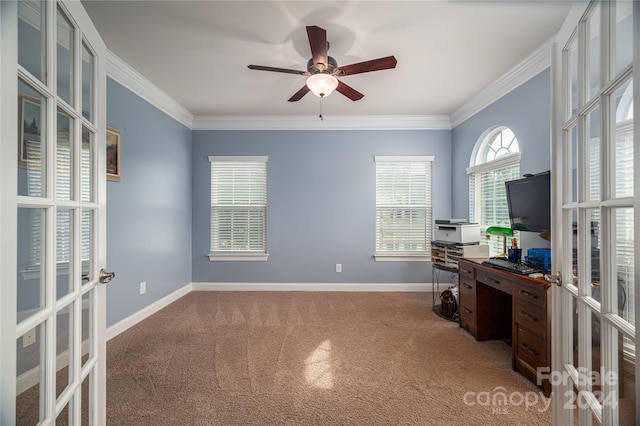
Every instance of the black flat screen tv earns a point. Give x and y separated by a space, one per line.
529 201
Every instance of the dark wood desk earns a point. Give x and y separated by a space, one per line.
496 304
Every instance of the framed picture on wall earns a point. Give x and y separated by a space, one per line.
114 156
29 130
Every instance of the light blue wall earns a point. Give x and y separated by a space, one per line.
527 111
320 203
149 210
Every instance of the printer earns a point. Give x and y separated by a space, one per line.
457 231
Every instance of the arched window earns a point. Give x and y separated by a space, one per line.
495 160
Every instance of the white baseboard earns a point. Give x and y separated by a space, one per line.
145 312
355 287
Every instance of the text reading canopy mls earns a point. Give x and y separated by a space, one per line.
529 202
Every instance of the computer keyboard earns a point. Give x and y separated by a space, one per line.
516 268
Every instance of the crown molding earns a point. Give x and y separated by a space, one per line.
124 74
349 122
523 71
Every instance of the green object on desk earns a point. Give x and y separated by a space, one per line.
504 232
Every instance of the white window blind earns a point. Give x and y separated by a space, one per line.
403 206
488 197
238 208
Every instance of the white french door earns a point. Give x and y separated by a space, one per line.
596 218
52 218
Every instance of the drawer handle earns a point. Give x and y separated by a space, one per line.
531 295
470 287
529 349
528 316
467 310
493 280
466 271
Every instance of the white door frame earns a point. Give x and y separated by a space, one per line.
9 330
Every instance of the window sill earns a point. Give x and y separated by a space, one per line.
401 258
238 257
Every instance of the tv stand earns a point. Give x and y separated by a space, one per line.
499 305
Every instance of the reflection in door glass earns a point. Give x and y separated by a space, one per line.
574 248
624 35
592 268
593 154
31 146
86 165
572 145
623 147
64 252
30 368
594 52
64 157
64 52
624 263
86 326
87 82
627 381
64 342
31 23
86 226
31 262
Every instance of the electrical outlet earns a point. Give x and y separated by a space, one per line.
143 287
338 267
29 338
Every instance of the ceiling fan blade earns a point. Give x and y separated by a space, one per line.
285 70
299 94
368 66
349 91
318 44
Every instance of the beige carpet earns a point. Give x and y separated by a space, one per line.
307 358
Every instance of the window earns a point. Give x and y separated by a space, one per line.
497 160
238 208
403 208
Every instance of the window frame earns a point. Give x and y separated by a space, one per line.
408 256
238 255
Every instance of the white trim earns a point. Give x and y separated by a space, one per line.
124 74
352 287
536 62
497 163
145 312
404 158
312 122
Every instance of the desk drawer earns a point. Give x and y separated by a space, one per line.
494 280
465 270
530 348
467 313
531 293
530 316
467 287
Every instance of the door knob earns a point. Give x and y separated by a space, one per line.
554 278
105 276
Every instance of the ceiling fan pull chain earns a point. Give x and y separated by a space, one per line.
321 101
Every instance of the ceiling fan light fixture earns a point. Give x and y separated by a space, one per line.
322 85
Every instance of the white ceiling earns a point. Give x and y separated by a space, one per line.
197 52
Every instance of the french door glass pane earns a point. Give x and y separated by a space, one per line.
84 405
573 327
594 52
64 252
31 262
64 157
596 352
31 146
87 82
30 369
572 155
86 165
87 229
623 147
627 382
623 28
574 248
86 326
592 131
31 26
592 267
623 256
64 343
65 52
571 59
